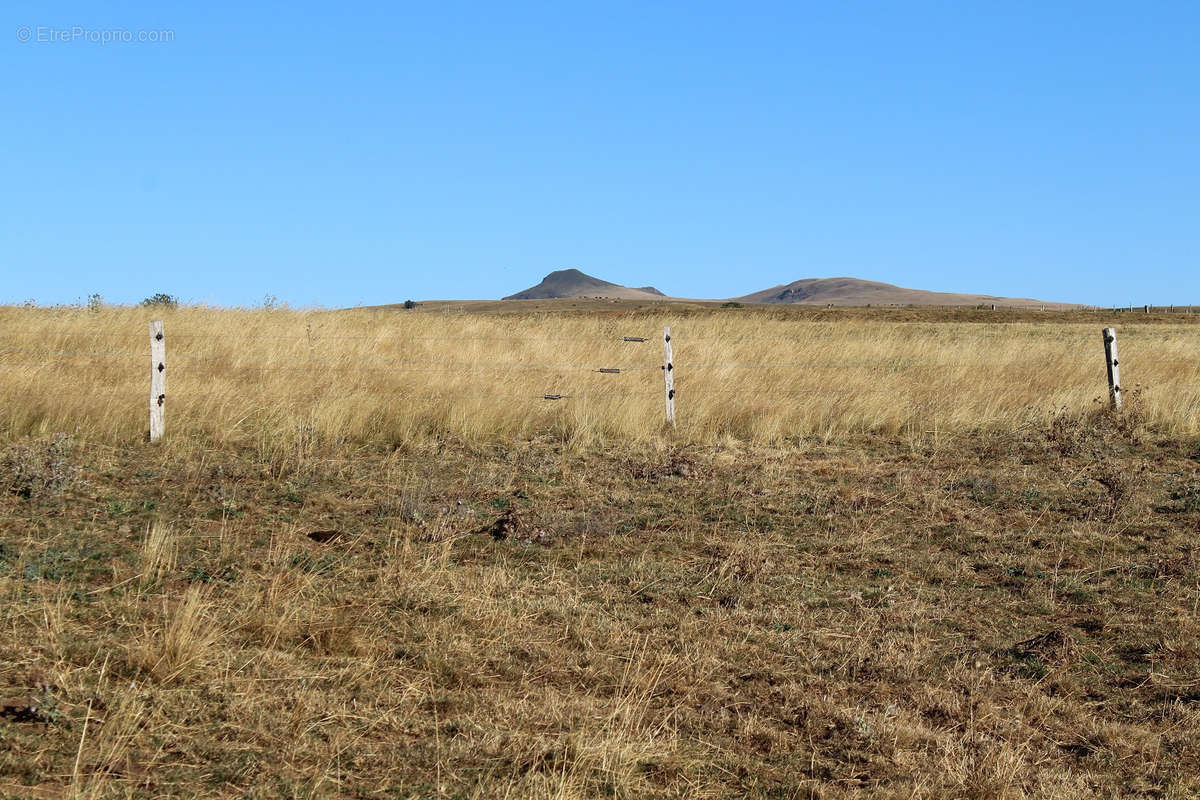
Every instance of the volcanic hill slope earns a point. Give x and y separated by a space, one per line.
856 292
573 283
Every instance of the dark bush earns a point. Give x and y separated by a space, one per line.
161 300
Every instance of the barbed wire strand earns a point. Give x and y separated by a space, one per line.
397 366
316 338
300 363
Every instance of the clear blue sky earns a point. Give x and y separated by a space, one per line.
339 153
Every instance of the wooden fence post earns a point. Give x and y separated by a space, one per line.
158 380
1114 370
669 375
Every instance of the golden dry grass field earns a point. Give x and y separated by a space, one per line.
274 379
886 553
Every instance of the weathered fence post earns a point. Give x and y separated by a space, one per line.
1114 370
669 375
158 380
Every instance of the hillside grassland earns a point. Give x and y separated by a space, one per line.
886 554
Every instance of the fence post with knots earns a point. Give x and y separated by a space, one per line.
158 380
669 375
1114 369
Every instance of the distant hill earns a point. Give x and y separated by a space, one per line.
573 283
855 292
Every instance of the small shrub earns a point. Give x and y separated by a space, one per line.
1129 423
1121 483
1095 432
95 302
731 304
161 300
409 305
1069 433
41 706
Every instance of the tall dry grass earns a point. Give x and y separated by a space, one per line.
294 379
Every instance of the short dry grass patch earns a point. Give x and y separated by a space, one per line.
180 640
160 553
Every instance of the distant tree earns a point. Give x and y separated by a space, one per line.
410 305
731 304
95 302
161 300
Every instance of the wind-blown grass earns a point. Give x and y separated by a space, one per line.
291 379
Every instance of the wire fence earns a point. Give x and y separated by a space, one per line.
641 358
50 358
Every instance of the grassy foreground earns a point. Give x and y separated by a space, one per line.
975 597
1004 616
